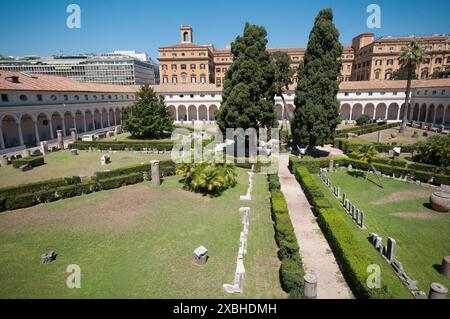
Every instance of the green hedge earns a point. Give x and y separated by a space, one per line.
33 161
119 181
166 168
352 258
291 270
37 186
348 146
122 145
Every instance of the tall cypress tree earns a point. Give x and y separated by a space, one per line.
249 89
316 105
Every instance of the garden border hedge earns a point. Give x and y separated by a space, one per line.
291 270
33 161
366 129
122 145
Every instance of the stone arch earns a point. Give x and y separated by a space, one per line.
118 116
10 130
440 114
369 110
89 120
192 113
357 111
279 111
172 110
345 111
431 110
79 121
182 113
43 124
104 117
212 112
96 117
393 112
57 123
202 113
423 112
289 111
416 111
402 112
447 115
68 122
380 113
28 131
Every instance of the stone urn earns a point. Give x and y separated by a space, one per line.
440 201
394 135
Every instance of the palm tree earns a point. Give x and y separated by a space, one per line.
410 57
368 153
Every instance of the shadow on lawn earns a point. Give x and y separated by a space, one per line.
361 174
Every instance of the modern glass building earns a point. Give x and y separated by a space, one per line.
113 68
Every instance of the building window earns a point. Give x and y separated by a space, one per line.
193 79
174 66
218 82
164 67
5 98
395 93
202 79
183 77
66 97
192 66
183 66
86 97
378 62
76 97
53 97
390 62
102 97
174 80
388 75
165 80
346 93
202 66
443 92
23 98
438 61
218 70
192 96
424 73
39 97
370 93
448 59
426 60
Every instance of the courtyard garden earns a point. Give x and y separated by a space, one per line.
136 242
402 211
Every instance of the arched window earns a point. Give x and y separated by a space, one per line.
186 36
424 73
388 75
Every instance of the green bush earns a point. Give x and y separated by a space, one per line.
274 183
20 201
363 120
76 190
32 187
435 151
279 204
288 249
366 129
33 161
119 181
291 275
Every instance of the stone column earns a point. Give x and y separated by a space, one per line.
101 120
398 112
426 113
2 141
155 173
374 112
73 134
310 287
19 129
36 132
443 117
84 122
438 291
44 148
351 112
176 114
207 114
386 113
331 166
75 122
63 127
434 115
445 268
109 120
197 113
60 137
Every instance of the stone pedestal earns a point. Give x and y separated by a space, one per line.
26 153
379 137
445 268
60 137
310 288
331 166
155 173
74 134
438 291
44 148
4 160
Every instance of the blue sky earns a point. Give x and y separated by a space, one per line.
39 27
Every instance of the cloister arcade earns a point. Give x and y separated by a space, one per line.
30 128
193 112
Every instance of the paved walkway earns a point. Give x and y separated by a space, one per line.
314 249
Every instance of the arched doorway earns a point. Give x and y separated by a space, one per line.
97 120
28 130
212 112
423 112
10 131
182 114
68 121
192 113
430 116
104 117
89 120
416 110
57 123
357 111
369 110
345 111
43 124
380 113
202 113
173 112
392 112
79 120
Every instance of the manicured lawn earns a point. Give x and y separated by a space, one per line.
63 164
127 137
401 211
138 242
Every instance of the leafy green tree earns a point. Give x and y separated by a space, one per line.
249 89
317 108
284 74
367 153
409 58
149 116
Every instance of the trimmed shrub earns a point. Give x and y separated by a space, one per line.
274 183
166 168
119 181
288 249
33 161
32 187
20 201
291 275
76 190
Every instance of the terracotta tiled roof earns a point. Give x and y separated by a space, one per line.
40 82
187 88
392 84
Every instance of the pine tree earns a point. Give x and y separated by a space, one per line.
317 108
149 116
249 89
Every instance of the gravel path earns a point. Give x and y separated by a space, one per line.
314 249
